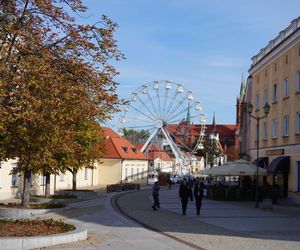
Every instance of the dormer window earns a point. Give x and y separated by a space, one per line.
134 150
125 149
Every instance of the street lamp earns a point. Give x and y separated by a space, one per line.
212 138
257 118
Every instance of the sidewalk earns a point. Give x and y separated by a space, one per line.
109 230
221 225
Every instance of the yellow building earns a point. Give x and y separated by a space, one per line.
122 162
275 79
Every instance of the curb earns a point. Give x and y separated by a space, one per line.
8 243
20 213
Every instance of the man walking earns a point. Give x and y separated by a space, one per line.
185 192
198 194
155 195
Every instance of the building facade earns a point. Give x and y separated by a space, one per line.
122 161
275 79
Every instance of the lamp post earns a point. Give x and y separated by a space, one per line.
211 151
257 118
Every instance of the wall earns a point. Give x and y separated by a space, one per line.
134 170
109 171
280 64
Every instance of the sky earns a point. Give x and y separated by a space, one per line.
205 45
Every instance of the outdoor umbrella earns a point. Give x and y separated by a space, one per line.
242 168
235 168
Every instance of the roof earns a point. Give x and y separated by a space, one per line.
108 132
152 155
222 129
117 147
194 129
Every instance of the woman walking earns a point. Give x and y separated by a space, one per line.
185 193
198 194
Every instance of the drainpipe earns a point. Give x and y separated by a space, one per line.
121 170
92 176
54 183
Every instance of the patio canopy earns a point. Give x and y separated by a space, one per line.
235 168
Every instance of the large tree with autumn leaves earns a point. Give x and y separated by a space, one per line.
56 85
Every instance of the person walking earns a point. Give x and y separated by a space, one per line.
155 195
198 194
185 193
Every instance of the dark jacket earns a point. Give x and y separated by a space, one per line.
198 189
155 190
185 192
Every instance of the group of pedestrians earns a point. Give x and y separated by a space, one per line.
188 190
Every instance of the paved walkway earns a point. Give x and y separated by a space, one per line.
107 229
221 225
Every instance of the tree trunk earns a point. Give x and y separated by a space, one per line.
26 189
47 187
74 186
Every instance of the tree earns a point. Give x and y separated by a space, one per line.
211 150
55 77
136 136
88 146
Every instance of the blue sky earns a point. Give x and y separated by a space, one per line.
206 45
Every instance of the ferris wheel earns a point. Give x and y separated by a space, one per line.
157 107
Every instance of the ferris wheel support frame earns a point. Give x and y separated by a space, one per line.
171 98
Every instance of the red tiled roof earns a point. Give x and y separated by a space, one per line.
108 132
222 130
118 148
156 152
194 129
159 154
139 146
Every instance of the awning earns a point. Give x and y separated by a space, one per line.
280 165
263 162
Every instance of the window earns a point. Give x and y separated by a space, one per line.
14 180
266 96
298 81
265 131
125 149
86 173
132 174
126 174
286 87
275 94
134 150
43 180
137 173
286 59
274 128
257 102
61 176
286 125
143 173
298 123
